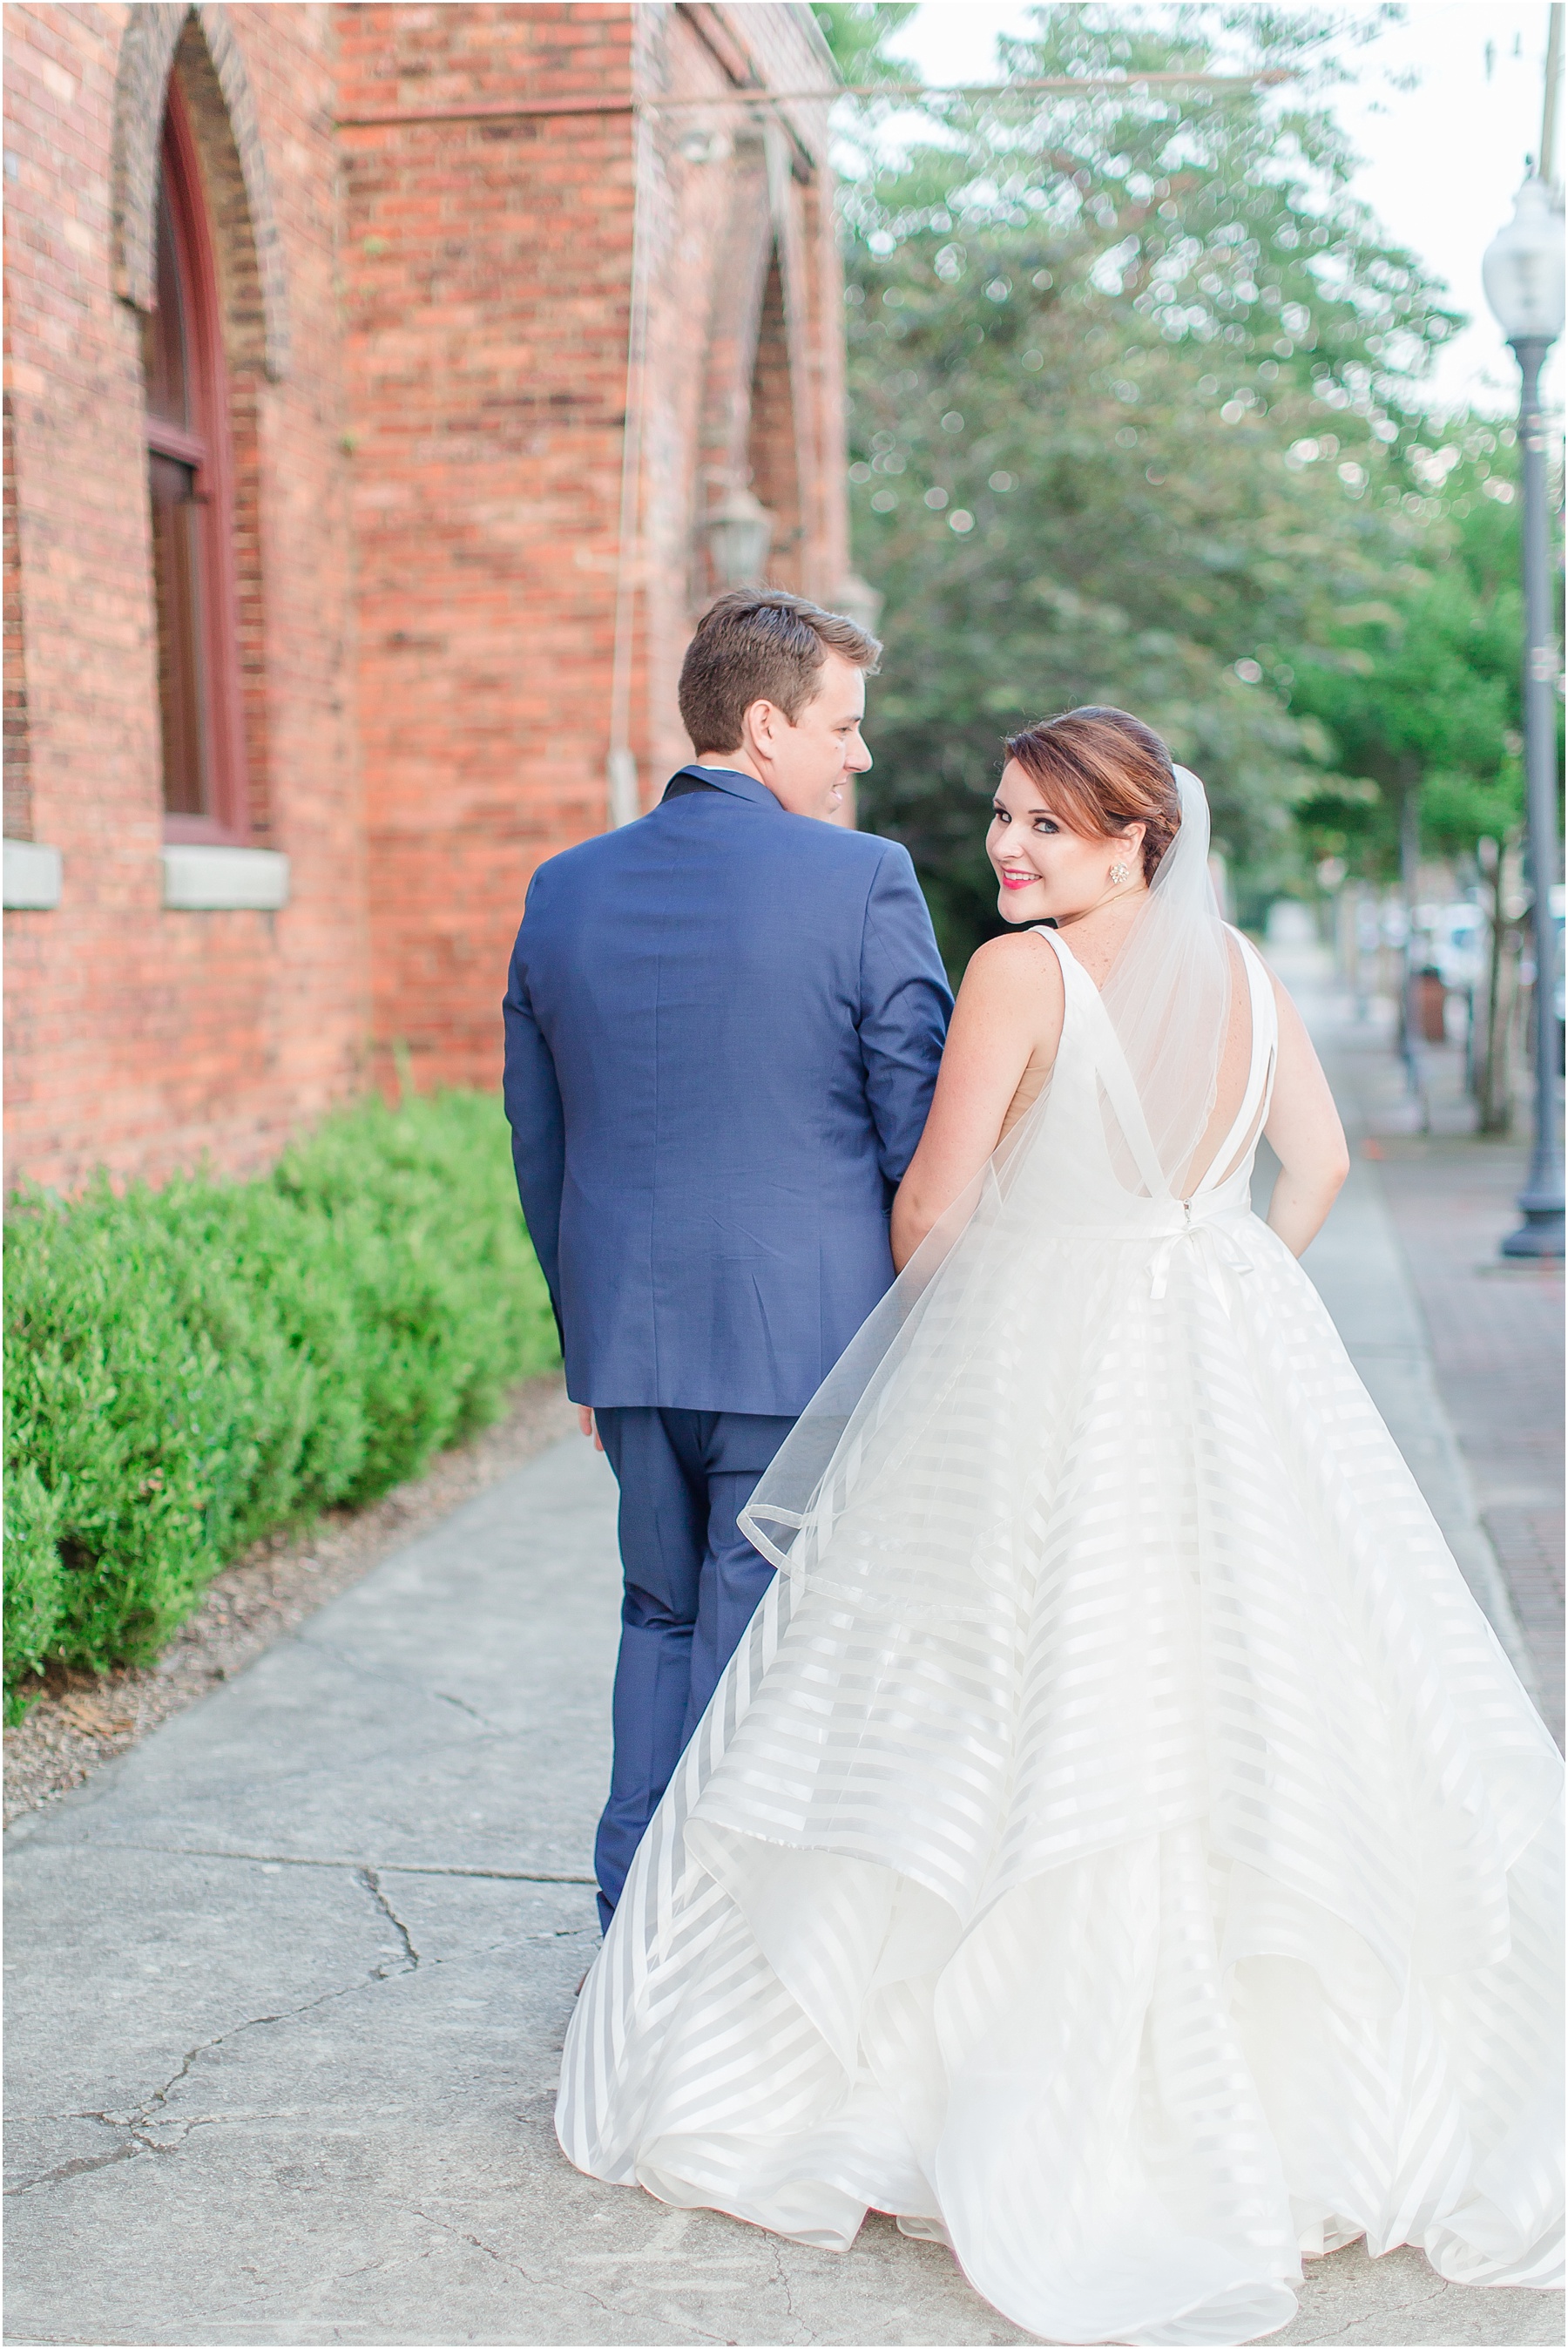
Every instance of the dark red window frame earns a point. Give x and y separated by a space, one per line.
190 485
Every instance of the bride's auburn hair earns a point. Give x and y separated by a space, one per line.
1101 769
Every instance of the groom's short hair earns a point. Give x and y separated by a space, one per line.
761 644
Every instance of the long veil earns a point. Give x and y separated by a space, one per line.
1168 1002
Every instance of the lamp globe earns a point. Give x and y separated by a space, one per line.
1523 268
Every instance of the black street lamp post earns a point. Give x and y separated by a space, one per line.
1524 277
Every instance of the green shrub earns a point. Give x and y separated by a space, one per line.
32 1569
189 1369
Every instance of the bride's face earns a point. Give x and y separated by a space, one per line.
1046 870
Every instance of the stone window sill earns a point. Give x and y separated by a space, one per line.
205 879
33 875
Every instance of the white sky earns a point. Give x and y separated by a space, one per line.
1443 160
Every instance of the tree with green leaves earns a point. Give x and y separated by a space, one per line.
857 32
1419 690
1130 420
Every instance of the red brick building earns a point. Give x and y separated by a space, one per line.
387 388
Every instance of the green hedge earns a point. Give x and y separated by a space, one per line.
191 1368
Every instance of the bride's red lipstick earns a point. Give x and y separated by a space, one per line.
1021 881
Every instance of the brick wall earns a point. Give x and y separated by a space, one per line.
18 776
426 321
486 269
138 1038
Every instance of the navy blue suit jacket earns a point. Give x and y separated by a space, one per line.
723 1028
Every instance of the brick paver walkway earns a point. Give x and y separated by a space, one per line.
1496 1332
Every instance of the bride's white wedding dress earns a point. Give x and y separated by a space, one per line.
1120 1847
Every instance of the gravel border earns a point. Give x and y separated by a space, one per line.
80 1722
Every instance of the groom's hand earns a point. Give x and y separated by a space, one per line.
585 1421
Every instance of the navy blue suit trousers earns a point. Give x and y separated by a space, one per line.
693 1583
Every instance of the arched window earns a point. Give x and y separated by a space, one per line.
192 486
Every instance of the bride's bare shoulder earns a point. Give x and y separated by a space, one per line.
1014 980
1013 960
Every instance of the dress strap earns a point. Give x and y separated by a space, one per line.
1265 1030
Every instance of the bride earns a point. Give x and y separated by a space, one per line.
1120 1847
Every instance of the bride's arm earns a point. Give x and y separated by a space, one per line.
1307 1138
1009 1009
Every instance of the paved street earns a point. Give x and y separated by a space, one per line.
287 1983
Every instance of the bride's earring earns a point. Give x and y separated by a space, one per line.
1118 875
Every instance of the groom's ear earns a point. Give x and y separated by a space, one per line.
762 720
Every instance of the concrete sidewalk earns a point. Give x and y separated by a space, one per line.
1461 1346
1462 1352
288 1982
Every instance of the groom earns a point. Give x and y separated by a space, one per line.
722 1031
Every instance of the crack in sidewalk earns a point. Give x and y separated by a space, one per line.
372 1883
570 2289
369 1669
444 1696
501 2259
150 2114
782 2274
309 1859
125 2151
1412 2303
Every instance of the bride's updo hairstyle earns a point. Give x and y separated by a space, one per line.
1101 769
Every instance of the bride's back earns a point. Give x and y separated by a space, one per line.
1231 1077
1231 1081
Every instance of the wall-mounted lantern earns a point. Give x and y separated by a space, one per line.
739 532
858 601
702 145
